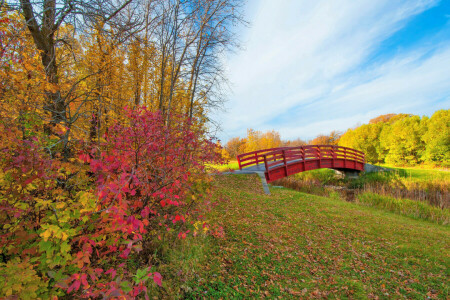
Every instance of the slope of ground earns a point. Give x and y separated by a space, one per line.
291 244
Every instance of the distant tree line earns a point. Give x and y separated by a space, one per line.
397 139
257 140
403 139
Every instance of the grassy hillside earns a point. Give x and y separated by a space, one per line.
291 244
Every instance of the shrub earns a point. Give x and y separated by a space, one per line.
87 227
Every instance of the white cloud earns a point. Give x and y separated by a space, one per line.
301 72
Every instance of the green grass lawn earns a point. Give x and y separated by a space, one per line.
419 173
233 165
291 245
415 174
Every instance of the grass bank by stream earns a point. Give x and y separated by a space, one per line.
423 194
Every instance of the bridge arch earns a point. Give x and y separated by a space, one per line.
280 162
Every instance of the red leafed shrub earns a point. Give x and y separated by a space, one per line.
93 233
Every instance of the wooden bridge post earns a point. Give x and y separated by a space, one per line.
284 161
256 158
333 156
345 157
303 158
267 168
320 157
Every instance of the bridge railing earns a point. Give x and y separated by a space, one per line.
254 157
284 155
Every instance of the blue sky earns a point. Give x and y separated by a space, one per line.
310 67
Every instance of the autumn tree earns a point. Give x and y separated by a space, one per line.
43 21
255 140
21 75
101 56
388 118
293 143
190 39
382 118
235 146
365 138
270 139
331 139
402 141
437 139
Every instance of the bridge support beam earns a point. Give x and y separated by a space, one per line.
264 182
351 174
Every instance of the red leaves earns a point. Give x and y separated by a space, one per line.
84 157
178 218
74 287
145 212
157 278
112 272
84 280
82 257
136 183
217 231
78 279
143 171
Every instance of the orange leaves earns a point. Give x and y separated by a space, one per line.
21 74
255 140
78 280
82 258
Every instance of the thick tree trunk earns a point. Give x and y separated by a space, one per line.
161 83
54 104
43 37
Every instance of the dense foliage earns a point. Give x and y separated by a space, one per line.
74 226
404 140
103 140
79 65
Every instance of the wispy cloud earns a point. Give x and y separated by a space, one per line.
307 68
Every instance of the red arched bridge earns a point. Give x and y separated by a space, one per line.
277 163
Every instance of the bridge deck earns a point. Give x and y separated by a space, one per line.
262 167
